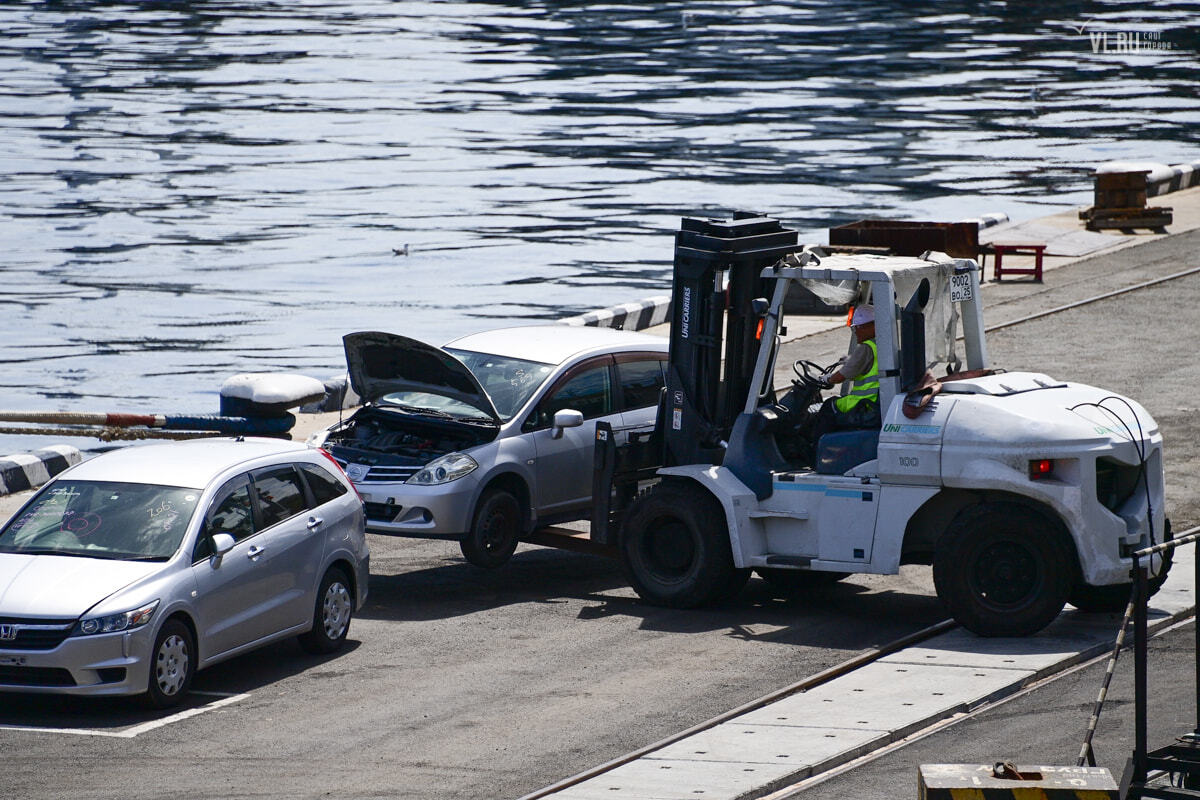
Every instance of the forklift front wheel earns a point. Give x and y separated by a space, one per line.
675 548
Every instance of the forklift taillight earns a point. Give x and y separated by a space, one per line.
1041 468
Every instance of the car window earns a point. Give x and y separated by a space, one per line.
509 382
589 392
641 383
102 519
230 513
279 495
324 487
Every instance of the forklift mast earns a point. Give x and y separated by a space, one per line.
717 276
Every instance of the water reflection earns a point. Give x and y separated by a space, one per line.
195 189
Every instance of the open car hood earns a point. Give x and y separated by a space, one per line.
382 363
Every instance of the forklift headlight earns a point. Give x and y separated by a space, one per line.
449 467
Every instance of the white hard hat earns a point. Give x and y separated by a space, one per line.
863 315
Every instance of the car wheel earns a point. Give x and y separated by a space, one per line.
172 664
788 582
331 618
1114 598
495 531
675 548
1002 569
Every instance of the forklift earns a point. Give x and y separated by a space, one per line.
1022 492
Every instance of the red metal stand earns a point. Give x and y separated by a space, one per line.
1035 249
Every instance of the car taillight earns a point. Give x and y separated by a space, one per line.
1041 468
341 471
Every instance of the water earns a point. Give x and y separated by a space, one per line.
195 189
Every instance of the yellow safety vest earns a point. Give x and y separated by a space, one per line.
865 387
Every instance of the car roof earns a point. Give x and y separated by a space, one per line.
192 464
554 344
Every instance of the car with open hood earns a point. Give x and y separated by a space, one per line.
492 435
129 572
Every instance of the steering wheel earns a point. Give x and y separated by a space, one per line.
810 373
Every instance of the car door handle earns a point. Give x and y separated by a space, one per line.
314 523
255 551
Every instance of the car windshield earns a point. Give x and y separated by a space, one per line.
102 519
509 382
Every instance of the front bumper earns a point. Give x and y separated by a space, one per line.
100 665
434 512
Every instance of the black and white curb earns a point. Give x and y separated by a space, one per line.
988 220
1183 176
30 470
627 316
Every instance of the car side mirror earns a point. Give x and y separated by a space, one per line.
222 543
565 418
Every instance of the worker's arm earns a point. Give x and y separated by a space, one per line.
853 366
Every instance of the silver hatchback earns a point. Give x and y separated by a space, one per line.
491 435
129 572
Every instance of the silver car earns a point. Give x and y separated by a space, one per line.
493 434
129 572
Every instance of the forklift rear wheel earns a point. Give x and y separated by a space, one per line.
495 531
796 581
675 548
1002 569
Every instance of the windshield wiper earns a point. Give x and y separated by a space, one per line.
432 412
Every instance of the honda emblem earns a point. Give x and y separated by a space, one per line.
8 632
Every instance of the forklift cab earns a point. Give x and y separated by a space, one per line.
919 304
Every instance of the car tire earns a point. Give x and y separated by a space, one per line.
788 582
675 548
1002 569
331 617
172 665
1115 597
495 530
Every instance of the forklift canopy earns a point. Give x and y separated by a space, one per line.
856 279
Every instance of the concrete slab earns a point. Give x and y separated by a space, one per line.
659 779
893 697
798 746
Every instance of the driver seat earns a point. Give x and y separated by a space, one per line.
841 451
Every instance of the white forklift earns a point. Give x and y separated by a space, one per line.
1023 492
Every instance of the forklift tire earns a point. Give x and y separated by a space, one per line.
788 582
495 531
1114 598
675 548
1002 569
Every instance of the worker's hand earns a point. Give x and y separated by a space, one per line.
823 380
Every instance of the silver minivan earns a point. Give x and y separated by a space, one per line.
129 572
491 435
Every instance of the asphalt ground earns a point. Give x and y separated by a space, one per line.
464 683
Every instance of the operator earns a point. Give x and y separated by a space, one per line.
859 408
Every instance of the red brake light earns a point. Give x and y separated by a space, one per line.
1041 468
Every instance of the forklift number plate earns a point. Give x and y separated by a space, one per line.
960 288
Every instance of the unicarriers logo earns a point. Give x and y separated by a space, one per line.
686 313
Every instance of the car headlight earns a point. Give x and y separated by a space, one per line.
113 623
449 467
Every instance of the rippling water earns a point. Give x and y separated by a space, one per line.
193 189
